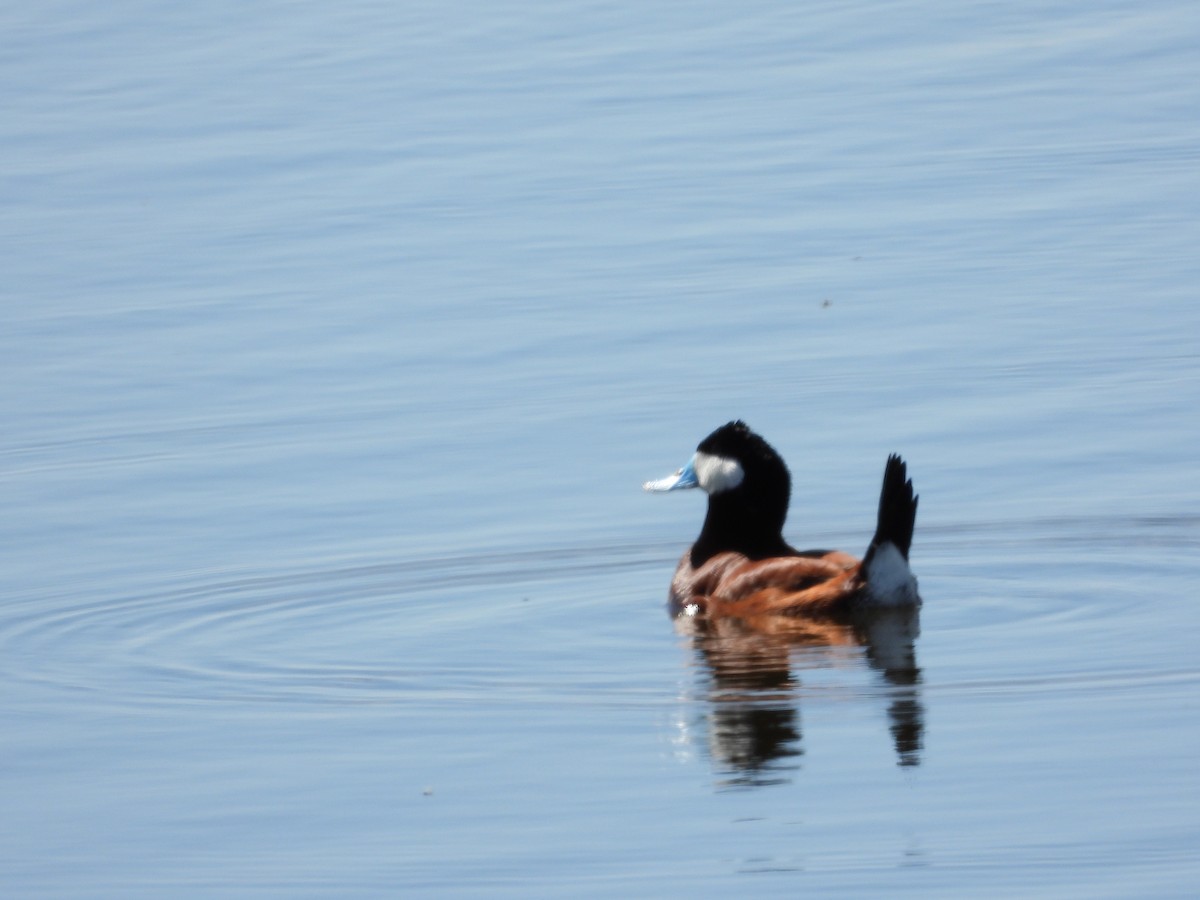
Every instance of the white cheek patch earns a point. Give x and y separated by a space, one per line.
717 473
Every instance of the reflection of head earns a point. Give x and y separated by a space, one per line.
752 740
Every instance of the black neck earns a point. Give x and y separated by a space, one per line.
735 523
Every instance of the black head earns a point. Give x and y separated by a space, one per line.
748 489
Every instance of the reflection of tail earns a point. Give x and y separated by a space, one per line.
885 565
889 633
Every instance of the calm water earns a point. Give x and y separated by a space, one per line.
338 339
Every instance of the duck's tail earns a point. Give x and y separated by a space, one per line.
885 564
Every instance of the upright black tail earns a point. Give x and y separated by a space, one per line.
897 509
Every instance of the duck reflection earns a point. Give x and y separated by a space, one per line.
754 684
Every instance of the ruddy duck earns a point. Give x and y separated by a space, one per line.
741 567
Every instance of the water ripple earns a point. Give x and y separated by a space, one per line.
328 635
491 625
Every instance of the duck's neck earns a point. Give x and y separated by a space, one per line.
734 525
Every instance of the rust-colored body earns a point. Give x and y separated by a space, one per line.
822 585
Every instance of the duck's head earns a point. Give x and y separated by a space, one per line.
748 489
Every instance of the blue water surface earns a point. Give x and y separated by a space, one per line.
337 340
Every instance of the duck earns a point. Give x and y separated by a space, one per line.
741 567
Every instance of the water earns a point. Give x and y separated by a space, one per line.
337 342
